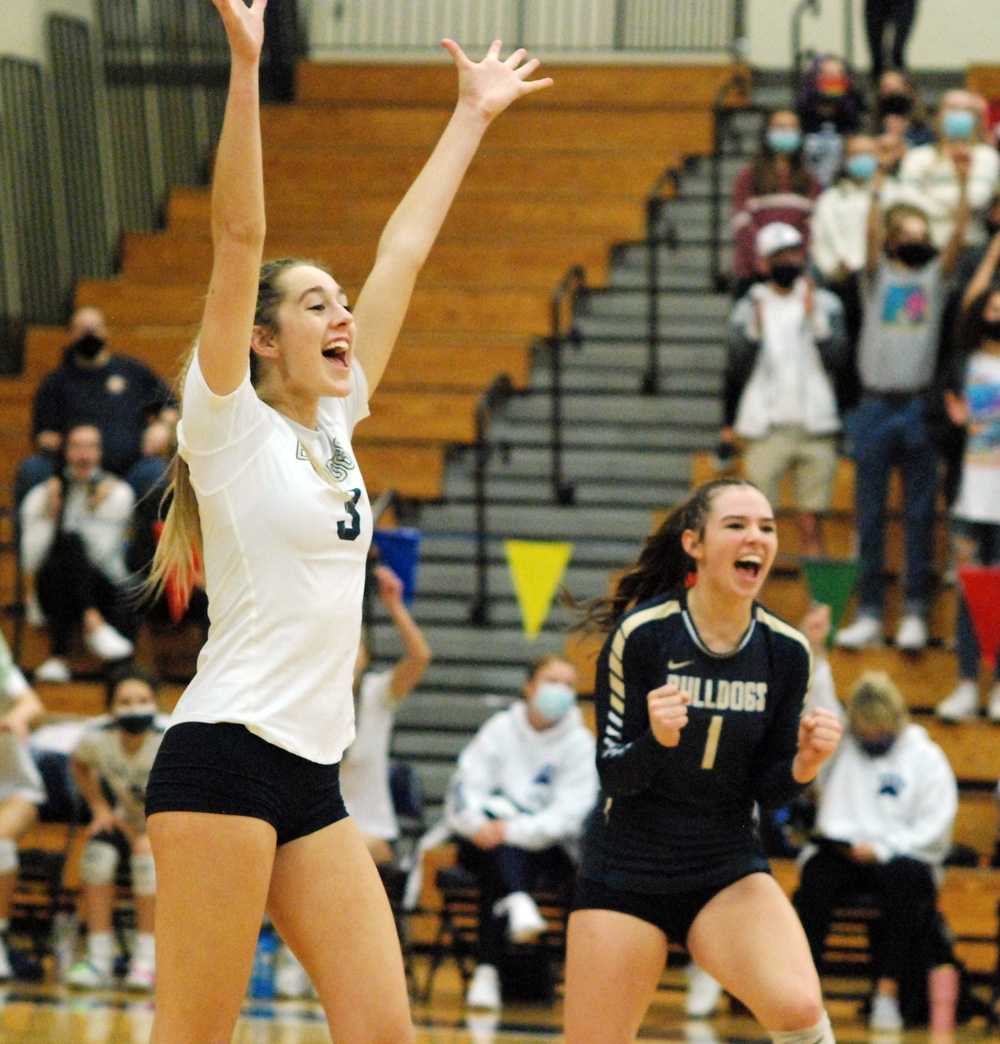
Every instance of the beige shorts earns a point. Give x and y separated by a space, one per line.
812 460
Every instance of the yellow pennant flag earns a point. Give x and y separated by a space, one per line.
536 567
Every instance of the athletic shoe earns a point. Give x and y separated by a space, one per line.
703 993
885 1017
962 704
107 644
524 923
33 614
290 978
85 975
484 990
6 971
993 704
911 635
865 631
54 670
141 977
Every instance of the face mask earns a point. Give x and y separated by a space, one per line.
89 345
877 748
862 167
896 104
991 329
785 275
958 124
553 700
833 86
134 723
915 255
784 141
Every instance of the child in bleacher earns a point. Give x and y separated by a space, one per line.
21 788
114 757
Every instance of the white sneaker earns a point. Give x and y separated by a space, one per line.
993 703
911 635
885 1017
865 631
962 704
524 923
54 670
141 977
85 975
6 971
107 644
33 612
703 993
290 978
484 990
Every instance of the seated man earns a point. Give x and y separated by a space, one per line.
115 755
518 799
883 826
73 533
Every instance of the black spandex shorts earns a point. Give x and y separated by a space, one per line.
226 769
673 913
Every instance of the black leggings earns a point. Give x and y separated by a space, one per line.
879 14
68 584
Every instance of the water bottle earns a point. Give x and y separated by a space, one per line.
264 959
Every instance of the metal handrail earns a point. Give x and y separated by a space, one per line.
499 391
796 33
568 291
657 218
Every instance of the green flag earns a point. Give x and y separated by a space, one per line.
831 581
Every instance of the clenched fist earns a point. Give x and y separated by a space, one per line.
819 734
667 708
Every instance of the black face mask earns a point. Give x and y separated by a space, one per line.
896 104
991 329
877 748
89 346
134 723
915 255
785 275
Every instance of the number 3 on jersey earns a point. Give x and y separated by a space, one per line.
351 530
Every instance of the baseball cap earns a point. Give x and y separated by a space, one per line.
777 236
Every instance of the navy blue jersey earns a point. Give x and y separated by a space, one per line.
675 818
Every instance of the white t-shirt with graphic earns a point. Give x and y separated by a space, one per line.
284 560
364 772
979 493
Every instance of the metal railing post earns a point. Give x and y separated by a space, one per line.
570 286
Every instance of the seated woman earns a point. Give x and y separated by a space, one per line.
518 799
887 805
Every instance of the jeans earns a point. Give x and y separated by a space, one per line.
888 431
986 537
879 15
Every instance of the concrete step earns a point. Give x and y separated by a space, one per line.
443 545
697 434
547 522
599 490
622 411
579 464
676 380
619 327
687 308
449 712
493 646
614 356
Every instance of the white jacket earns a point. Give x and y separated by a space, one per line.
839 226
542 783
902 804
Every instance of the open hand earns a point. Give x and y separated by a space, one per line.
668 714
390 587
244 27
489 86
819 735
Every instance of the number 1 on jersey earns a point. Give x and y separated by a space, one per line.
712 742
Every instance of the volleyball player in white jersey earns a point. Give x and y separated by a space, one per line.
243 804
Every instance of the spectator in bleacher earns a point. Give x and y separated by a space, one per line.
774 186
880 15
899 110
114 757
903 294
888 800
932 175
119 394
518 799
787 340
21 788
73 533
972 400
829 106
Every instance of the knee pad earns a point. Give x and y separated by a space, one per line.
100 860
8 857
143 873
821 1033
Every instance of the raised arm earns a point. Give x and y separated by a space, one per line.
416 656
953 248
485 89
984 273
874 232
238 222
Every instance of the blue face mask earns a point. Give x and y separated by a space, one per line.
553 700
784 140
862 167
958 124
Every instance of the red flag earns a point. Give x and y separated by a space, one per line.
981 590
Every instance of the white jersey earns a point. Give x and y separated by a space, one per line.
364 773
18 773
284 560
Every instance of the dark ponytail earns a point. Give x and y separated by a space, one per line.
663 564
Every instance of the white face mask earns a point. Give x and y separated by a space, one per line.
553 700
